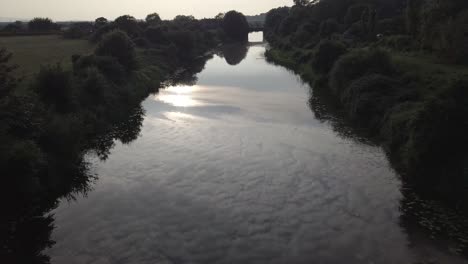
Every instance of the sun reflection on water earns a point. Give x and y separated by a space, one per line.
179 96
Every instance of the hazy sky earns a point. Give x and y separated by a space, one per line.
91 9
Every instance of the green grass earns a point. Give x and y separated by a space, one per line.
30 52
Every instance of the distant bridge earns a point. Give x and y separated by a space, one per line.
256 26
256 29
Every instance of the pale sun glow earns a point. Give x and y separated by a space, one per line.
179 96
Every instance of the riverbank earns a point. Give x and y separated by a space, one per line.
414 107
52 119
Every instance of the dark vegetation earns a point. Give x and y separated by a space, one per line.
399 70
229 27
49 123
236 26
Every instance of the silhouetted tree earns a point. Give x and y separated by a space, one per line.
100 22
235 25
301 2
184 22
128 24
42 24
274 18
219 16
153 19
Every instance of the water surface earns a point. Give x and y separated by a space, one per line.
237 169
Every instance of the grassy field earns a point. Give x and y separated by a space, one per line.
30 52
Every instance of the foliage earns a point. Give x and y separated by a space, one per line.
454 39
399 42
101 31
328 27
129 25
78 30
42 25
15 27
354 13
184 42
118 45
391 26
100 22
288 26
185 22
7 81
156 34
274 18
306 35
153 19
413 17
368 98
301 2
235 25
327 53
358 63
54 87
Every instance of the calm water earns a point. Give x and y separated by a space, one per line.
237 169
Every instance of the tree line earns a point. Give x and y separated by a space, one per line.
230 26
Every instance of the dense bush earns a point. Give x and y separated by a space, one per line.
74 33
358 63
288 26
184 41
55 88
306 35
328 27
7 80
354 13
118 45
101 31
391 26
443 116
327 53
369 97
96 92
454 39
399 42
156 34
107 65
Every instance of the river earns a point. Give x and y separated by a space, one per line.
241 166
